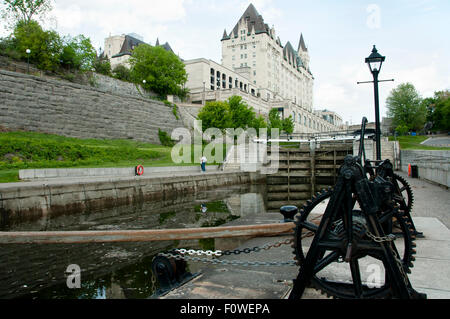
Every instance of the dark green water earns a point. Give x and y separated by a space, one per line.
116 270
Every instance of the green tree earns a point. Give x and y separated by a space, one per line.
215 115
288 125
121 72
25 10
163 71
78 53
405 107
275 121
45 46
258 123
241 114
233 113
438 108
102 66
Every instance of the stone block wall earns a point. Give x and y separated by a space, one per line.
58 107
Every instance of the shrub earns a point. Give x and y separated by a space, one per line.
121 72
165 139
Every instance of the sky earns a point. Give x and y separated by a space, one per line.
412 34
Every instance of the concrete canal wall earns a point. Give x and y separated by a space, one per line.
51 173
28 201
432 165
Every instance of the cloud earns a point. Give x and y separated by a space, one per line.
266 8
97 19
426 78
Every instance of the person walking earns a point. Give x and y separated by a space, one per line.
203 161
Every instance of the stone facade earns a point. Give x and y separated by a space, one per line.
45 105
278 71
204 75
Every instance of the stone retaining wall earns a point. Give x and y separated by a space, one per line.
38 104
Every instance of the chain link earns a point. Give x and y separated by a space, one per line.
219 253
387 238
215 261
187 255
390 238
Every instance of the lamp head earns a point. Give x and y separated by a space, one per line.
375 60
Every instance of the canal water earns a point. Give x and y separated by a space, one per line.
117 270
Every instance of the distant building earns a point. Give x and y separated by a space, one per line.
331 117
118 48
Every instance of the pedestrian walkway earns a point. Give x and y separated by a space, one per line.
439 141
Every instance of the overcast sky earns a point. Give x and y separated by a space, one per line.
412 34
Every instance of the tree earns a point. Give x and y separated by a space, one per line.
25 10
78 53
163 71
233 113
45 46
121 72
288 125
241 114
215 115
276 122
405 107
102 66
438 108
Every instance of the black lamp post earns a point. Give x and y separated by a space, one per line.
28 51
375 61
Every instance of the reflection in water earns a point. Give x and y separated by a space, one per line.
116 270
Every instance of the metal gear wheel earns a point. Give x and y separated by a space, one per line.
307 221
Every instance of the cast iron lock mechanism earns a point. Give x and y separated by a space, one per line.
357 228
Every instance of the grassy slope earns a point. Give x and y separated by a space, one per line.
20 150
413 143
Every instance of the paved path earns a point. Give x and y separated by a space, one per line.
430 200
430 274
441 141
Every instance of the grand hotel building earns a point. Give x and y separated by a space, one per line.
256 66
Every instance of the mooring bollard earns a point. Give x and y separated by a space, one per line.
288 213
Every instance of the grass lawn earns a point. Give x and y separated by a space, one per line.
413 143
22 150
